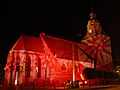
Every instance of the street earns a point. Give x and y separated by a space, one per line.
113 88
108 87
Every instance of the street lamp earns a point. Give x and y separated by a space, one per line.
73 57
11 73
73 64
117 71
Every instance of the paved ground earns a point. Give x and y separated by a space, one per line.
113 88
106 87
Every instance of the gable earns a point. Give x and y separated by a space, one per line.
28 43
64 49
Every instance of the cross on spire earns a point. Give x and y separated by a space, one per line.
92 15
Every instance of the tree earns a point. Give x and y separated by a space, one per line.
89 73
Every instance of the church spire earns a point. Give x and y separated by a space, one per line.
92 14
93 26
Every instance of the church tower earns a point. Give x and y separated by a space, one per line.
93 27
99 44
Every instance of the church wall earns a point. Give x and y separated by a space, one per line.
65 70
18 76
55 71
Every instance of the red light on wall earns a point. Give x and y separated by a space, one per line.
82 77
15 81
36 69
85 82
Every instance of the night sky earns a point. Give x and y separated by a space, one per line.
60 18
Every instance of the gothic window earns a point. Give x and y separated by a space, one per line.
39 67
17 63
28 65
63 67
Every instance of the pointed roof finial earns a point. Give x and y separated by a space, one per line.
92 9
92 15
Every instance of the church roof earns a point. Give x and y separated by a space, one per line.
64 48
28 43
59 47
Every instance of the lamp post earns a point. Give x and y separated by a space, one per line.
11 73
73 64
73 59
117 76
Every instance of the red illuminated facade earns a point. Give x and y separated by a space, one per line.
35 59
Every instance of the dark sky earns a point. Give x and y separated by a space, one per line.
60 18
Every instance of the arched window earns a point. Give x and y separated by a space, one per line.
63 67
18 63
39 67
28 65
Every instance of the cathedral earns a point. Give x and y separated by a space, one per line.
55 60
